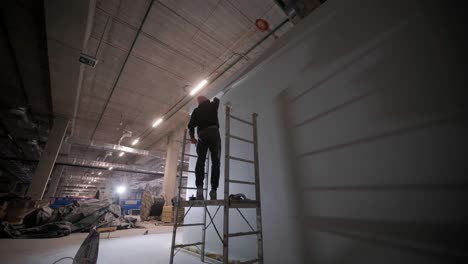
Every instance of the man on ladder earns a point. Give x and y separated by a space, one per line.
205 119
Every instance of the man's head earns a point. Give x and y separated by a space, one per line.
201 99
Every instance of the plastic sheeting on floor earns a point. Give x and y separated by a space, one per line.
80 216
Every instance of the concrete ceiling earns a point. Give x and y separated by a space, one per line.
180 43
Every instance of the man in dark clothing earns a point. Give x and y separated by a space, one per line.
205 119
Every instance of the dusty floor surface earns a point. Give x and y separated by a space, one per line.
125 246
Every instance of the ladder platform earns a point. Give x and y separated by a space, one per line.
188 245
244 234
195 224
232 204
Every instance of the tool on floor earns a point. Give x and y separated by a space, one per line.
236 201
107 230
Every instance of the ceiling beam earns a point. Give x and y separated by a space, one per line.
68 26
114 147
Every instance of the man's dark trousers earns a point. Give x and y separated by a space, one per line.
208 139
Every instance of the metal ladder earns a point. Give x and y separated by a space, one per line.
227 203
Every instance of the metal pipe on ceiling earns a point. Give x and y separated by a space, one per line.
91 164
73 162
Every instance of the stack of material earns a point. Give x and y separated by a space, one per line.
80 216
146 204
168 214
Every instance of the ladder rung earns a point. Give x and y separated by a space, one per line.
190 188
182 176
244 234
241 139
196 224
239 159
241 120
188 245
190 155
242 182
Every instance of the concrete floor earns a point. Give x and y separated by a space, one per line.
125 246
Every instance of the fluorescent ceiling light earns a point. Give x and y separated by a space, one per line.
120 189
135 141
110 168
121 154
199 87
159 121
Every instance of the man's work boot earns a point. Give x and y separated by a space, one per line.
213 195
200 194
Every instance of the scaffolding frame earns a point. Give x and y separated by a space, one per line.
227 203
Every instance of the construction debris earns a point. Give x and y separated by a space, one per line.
81 216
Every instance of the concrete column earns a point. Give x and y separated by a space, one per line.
46 164
54 181
170 169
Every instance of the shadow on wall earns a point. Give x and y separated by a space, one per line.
378 148
440 241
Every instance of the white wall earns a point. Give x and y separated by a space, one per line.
376 113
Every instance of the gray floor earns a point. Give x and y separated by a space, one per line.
127 246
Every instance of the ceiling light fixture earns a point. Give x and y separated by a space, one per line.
110 168
121 154
199 87
159 121
99 173
135 141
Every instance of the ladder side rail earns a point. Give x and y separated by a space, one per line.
257 190
174 232
205 208
226 188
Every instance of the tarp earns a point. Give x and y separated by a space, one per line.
80 216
